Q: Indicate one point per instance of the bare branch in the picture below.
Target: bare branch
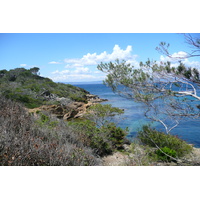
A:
(189, 39)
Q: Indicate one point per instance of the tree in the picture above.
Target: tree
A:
(192, 40)
(102, 115)
(35, 70)
(169, 94)
(2, 73)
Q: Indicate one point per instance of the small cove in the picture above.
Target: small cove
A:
(133, 118)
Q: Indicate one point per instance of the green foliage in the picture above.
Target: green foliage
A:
(76, 97)
(103, 140)
(45, 121)
(153, 138)
(196, 74)
(116, 135)
(27, 100)
(103, 114)
(162, 90)
(44, 118)
(165, 154)
(181, 68)
(27, 86)
(35, 70)
(105, 110)
(104, 136)
(92, 137)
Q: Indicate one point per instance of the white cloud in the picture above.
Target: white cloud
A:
(193, 64)
(84, 69)
(61, 72)
(180, 56)
(23, 65)
(78, 70)
(174, 57)
(76, 75)
(94, 58)
(81, 70)
(54, 62)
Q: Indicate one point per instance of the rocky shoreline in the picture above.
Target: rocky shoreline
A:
(71, 110)
(139, 158)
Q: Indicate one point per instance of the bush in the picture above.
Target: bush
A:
(24, 142)
(103, 140)
(102, 115)
(92, 137)
(26, 86)
(153, 138)
(116, 135)
(166, 154)
(78, 98)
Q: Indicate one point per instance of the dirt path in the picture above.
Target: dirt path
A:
(121, 159)
(117, 159)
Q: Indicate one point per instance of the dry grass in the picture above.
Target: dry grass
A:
(23, 142)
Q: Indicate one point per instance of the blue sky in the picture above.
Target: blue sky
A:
(73, 57)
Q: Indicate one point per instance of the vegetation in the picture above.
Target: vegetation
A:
(27, 87)
(192, 41)
(168, 146)
(42, 140)
(169, 94)
(102, 115)
(39, 139)
(51, 142)
(97, 130)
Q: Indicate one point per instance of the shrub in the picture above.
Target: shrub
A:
(153, 138)
(92, 137)
(166, 154)
(116, 135)
(45, 120)
(24, 142)
(26, 86)
(76, 97)
(103, 140)
(102, 115)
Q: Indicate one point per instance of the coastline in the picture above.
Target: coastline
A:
(72, 110)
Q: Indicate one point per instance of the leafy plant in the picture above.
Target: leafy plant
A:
(116, 135)
(166, 154)
(92, 137)
(103, 114)
(154, 138)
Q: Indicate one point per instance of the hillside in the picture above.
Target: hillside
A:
(48, 135)
(35, 127)
(26, 86)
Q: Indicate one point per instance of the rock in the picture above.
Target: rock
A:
(68, 109)
(70, 115)
(126, 147)
(47, 95)
(94, 98)
(116, 159)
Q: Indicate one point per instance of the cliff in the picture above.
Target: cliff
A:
(70, 110)
(38, 93)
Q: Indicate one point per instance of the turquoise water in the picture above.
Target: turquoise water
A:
(133, 117)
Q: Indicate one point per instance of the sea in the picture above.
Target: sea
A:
(134, 119)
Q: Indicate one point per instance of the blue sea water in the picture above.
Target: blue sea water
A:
(133, 117)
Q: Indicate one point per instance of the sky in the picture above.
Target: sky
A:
(73, 57)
